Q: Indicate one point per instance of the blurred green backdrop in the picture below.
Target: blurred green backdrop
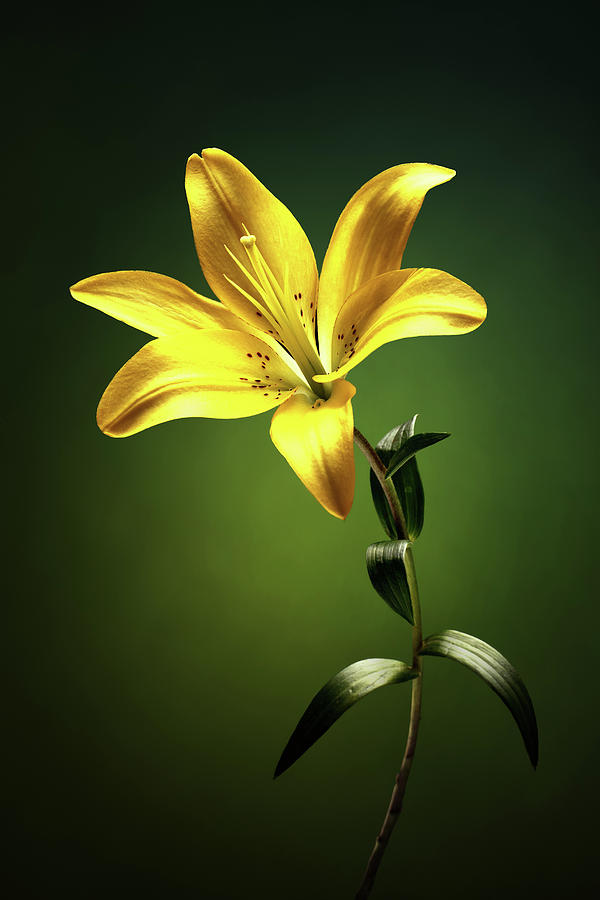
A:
(154, 679)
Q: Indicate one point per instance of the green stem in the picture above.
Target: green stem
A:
(387, 486)
(395, 805)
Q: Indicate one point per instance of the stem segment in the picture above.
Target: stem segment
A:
(395, 806)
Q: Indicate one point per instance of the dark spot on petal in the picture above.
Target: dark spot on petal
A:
(249, 354)
(258, 353)
(267, 357)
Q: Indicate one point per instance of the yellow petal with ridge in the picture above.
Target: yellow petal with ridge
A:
(218, 374)
(316, 437)
(228, 202)
(407, 303)
(153, 303)
(370, 237)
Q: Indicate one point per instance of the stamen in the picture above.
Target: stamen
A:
(278, 302)
(284, 314)
(260, 310)
(270, 292)
(255, 284)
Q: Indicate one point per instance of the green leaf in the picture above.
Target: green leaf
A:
(497, 672)
(407, 482)
(389, 575)
(339, 694)
(411, 446)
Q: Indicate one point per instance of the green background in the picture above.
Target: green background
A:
(175, 599)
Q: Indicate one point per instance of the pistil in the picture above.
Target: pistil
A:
(278, 308)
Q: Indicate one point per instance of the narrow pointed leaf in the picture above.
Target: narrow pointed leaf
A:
(411, 446)
(387, 568)
(407, 482)
(497, 672)
(339, 694)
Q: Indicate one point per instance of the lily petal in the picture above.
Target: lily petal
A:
(370, 237)
(407, 303)
(227, 202)
(316, 438)
(221, 375)
(153, 303)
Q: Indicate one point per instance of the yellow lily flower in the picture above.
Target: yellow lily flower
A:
(280, 337)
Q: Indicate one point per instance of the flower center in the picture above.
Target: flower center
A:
(279, 306)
